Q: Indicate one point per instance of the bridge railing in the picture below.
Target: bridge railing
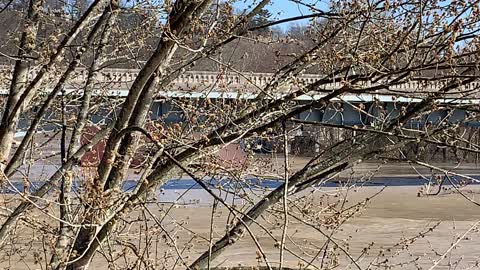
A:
(121, 79)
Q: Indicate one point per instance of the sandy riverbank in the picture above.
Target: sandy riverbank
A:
(379, 235)
(371, 237)
(391, 217)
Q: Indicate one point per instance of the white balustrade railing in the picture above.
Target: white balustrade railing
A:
(120, 79)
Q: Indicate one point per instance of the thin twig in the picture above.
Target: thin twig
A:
(459, 239)
(285, 195)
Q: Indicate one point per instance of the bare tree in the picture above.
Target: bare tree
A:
(127, 84)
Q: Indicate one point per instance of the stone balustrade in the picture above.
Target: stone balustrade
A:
(121, 79)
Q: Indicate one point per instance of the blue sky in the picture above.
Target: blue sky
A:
(282, 9)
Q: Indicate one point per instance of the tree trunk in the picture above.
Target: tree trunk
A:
(20, 78)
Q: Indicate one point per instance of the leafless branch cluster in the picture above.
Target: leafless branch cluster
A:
(107, 105)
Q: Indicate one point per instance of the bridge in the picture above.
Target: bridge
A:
(215, 85)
